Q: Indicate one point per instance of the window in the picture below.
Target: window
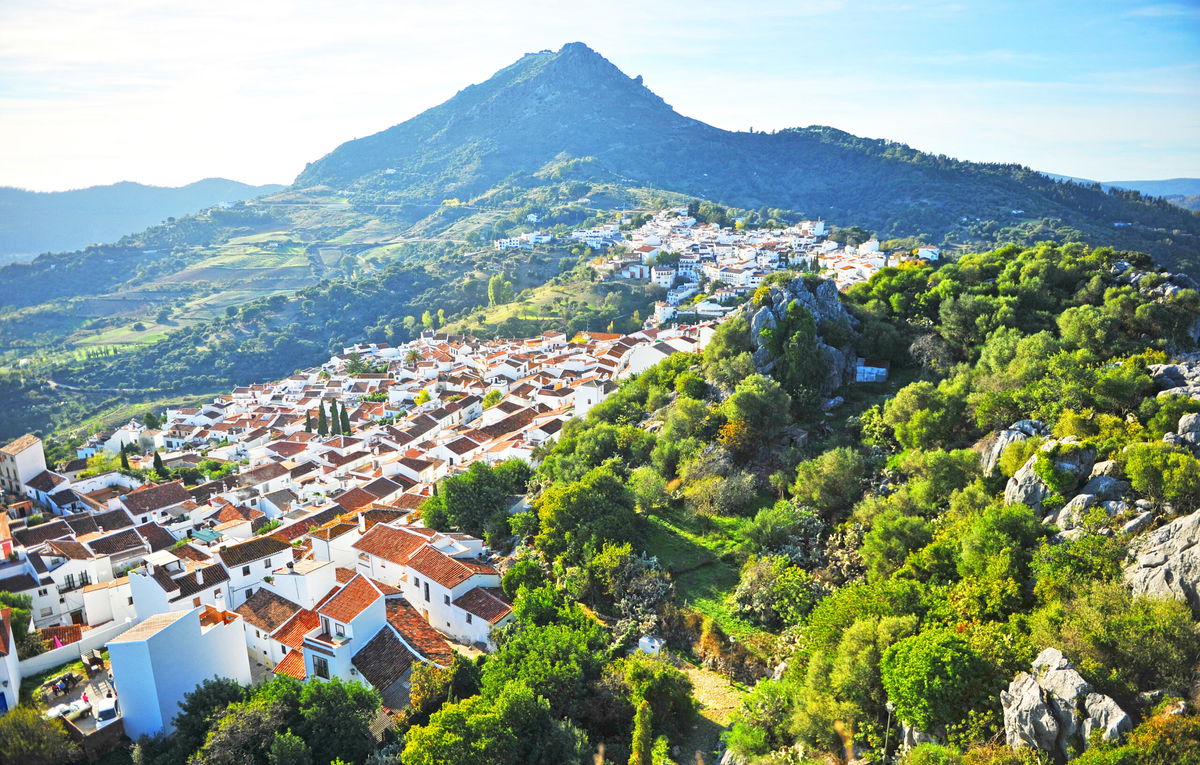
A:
(249, 592)
(267, 563)
(321, 667)
(468, 618)
(257, 634)
(325, 625)
(42, 592)
(447, 598)
(427, 592)
(339, 630)
(47, 611)
(417, 581)
(245, 571)
(196, 602)
(131, 601)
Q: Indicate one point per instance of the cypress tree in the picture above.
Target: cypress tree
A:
(345, 421)
(124, 459)
(322, 423)
(335, 422)
(308, 423)
(158, 465)
(642, 745)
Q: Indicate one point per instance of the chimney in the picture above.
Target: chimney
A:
(362, 523)
(199, 576)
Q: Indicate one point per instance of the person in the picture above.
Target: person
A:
(85, 698)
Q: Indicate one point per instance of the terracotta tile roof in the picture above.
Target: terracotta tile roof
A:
(18, 583)
(262, 474)
(427, 641)
(266, 610)
(345, 575)
(35, 535)
(377, 515)
(383, 660)
(69, 548)
(390, 543)
(71, 633)
(19, 445)
(486, 603)
(211, 576)
(148, 499)
(253, 549)
(188, 552)
(156, 536)
(446, 571)
(356, 498)
(291, 665)
(293, 631)
(354, 598)
(116, 543)
(294, 531)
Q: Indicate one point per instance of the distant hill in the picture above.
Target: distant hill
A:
(571, 114)
(33, 222)
(1184, 192)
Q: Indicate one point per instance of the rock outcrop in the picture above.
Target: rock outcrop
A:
(822, 300)
(1071, 462)
(1180, 378)
(994, 445)
(1103, 491)
(1167, 563)
(1054, 709)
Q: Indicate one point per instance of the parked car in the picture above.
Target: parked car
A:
(108, 711)
(56, 711)
(76, 709)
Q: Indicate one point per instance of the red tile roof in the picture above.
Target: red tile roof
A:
(291, 665)
(267, 611)
(486, 603)
(446, 571)
(417, 633)
(384, 659)
(293, 631)
(390, 543)
(354, 598)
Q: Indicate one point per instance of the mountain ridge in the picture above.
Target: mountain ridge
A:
(573, 114)
(32, 222)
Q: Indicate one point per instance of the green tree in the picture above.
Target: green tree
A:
(124, 460)
(28, 737)
(832, 482)
(322, 420)
(934, 678)
(761, 403)
(580, 516)
(492, 397)
(345, 420)
(201, 708)
(427, 320)
(641, 748)
(288, 749)
(159, 467)
(336, 719)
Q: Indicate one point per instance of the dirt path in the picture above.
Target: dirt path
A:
(718, 699)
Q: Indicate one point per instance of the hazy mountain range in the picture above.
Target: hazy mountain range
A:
(1184, 192)
(33, 222)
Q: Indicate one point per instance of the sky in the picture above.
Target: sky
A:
(167, 92)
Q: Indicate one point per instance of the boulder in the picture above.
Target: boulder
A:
(1105, 716)
(1054, 709)
(1069, 459)
(994, 446)
(1167, 563)
(1107, 467)
(1105, 488)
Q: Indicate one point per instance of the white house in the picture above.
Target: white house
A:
(157, 662)
(20, 461)
(248, 562)
(10, 664)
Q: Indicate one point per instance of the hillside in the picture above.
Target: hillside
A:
(33, 222)
(194, 302)
(573, 114)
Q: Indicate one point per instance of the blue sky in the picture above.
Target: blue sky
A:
(166, 92)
